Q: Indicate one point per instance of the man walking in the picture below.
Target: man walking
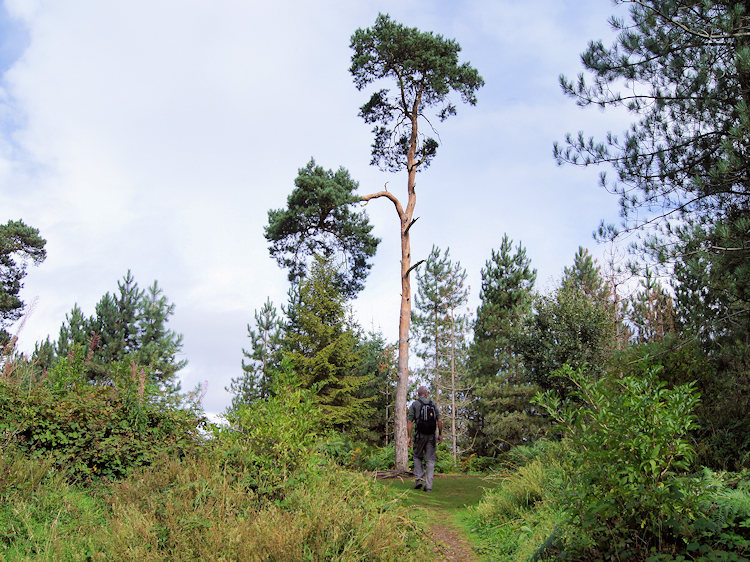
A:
(424, 414)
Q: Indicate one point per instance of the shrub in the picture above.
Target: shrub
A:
(625, 489)
(272, 441)
(93, 430)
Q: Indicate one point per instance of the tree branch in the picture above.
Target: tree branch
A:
(408, 271)
(387, 195)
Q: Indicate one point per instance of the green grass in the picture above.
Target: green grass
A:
(450, 493)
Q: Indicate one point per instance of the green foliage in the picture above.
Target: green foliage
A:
(584, 276)
(274, 438)
(686, 156)
(722, 438)
(426, 70)
(319, 220)
(130, 326)
(93, 431)
(624, 482)
(568, 327)
(504, 415)
(19, 243)
(378, 365)
(264, 358)
(323, 348)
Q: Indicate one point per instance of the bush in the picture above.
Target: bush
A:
(625, 479)
(272, 441)
(93, 430)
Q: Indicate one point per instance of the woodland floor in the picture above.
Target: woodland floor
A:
(442, 509)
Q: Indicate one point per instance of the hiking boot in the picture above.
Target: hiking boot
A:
(417, 486)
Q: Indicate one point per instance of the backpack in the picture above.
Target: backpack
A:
(427, 419)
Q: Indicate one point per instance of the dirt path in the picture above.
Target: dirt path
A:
(451, 541)
(450, 496)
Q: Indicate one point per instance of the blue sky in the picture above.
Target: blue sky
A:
(155, 135)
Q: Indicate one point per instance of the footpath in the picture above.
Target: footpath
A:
(442, 509)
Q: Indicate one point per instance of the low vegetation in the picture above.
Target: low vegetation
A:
(74, 485)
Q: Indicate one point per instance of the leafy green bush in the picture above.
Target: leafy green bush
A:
(272, 441)
(625, 486)
(93, 430)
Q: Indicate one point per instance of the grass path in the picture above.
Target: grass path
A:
(442, 509)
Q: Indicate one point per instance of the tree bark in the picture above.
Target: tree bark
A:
(404, 321)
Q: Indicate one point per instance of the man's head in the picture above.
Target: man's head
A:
(422, 391)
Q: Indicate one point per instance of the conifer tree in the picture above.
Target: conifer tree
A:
(75, 329)
(585, 276)
(323, 347)
(650, 311)
(504, 416)
(263, 358)
(157, 345)
(425, 71)
(19, 244)
(131, 326)
(440, 324)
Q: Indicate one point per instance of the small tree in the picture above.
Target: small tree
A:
(131, 326)
(440, 323)
(323, 347)
(504, 416)
(263, 358)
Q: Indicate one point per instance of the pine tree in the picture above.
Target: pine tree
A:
(586, 276)
(157, 347)
(263, 358)
(651, 311)
(504, 416)
(440, 324)
(323, 346)
(19, 244)
(75, 329)
(131, 326)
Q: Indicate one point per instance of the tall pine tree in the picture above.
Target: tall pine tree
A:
(504, 416)
(440, 324)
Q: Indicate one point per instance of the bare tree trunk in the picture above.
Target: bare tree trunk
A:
(404, 320)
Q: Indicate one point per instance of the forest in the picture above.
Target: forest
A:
(611, 411)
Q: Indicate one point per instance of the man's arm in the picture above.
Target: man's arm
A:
(409, 425)
(440, 430)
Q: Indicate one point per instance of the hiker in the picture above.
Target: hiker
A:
(425, 413)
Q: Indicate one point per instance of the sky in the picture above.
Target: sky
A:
(155, 135)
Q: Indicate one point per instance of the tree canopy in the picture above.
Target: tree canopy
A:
(19, 244)
(426, 70)
(319, 219)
